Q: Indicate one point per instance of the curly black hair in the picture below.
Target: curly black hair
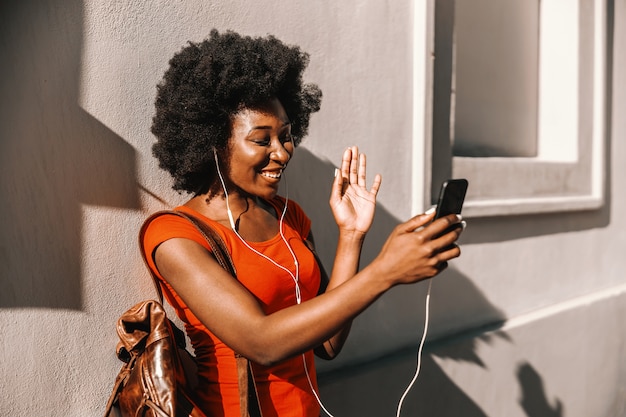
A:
(209, 82)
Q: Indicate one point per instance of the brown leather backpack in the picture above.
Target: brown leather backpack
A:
(158, 375)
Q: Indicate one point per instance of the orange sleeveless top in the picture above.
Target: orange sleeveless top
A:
(284, 389)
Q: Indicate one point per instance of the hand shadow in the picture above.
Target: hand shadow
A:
(534, 401)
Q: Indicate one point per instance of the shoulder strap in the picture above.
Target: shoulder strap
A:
(248, 396)
(217, 245)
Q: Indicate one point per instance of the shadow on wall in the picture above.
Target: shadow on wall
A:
(534, 401)
(375, 389)
(375, 386)
(379, 359)
(54, 157)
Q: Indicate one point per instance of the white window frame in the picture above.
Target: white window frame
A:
(568, 173)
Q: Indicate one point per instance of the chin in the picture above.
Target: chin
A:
(270, 195)
(265, 194)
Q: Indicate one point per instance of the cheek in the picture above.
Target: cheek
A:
(246, 164)
(242, 156)
(290, 148)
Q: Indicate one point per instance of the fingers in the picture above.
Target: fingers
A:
(439, 236)
(362, 176)
(349, 164)
(362, 171)
(444, 225)
(444, 243)
(378, 179)
(417, 222)
(450, 252)
(354, 165)
(344, 175)
(337, 189)
(354, 170)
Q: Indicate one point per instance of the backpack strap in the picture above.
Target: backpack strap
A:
(217, 245)
(248, 396)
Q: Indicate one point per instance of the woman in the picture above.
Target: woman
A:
(229, 114)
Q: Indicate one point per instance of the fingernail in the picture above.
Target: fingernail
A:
(463, 224)
(430, 210)
(336, 172)
(458, 216)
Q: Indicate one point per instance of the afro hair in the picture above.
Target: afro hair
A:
(210, 81)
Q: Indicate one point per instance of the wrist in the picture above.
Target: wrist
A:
(378, 277)
(351, 236)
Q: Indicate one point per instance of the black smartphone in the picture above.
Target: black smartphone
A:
(451, 197)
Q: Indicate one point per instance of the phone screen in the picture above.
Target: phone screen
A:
(451, 197)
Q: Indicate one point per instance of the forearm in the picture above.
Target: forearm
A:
(345, 267)
(317, 321)
(235, 316)
(347, 257)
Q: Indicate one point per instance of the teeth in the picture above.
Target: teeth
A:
(272, 174)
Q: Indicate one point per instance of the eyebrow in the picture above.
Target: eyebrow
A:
(262, 127)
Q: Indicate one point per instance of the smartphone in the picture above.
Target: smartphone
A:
(451, 197)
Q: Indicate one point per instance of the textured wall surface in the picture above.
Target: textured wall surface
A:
(530, 321)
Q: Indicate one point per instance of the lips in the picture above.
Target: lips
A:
(273, 174)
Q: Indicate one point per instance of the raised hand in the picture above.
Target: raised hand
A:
(352, 204)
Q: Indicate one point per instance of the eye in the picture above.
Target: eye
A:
(265, 141)
(286, 138)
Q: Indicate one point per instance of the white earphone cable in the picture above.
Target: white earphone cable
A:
(419, 352)
(232, 225)
(299, 297)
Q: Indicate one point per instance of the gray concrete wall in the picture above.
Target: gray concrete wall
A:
(528, 322)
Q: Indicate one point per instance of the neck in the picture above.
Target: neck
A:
(237, 202)
(216, 208)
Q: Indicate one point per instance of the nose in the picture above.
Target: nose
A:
(281, 152)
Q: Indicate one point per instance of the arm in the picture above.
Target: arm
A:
(353, 207)
(234, 315)
(224, 306)
(331, 347)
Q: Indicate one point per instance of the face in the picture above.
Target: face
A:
(260, 147)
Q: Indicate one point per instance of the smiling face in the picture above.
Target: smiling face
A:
(260, 147)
